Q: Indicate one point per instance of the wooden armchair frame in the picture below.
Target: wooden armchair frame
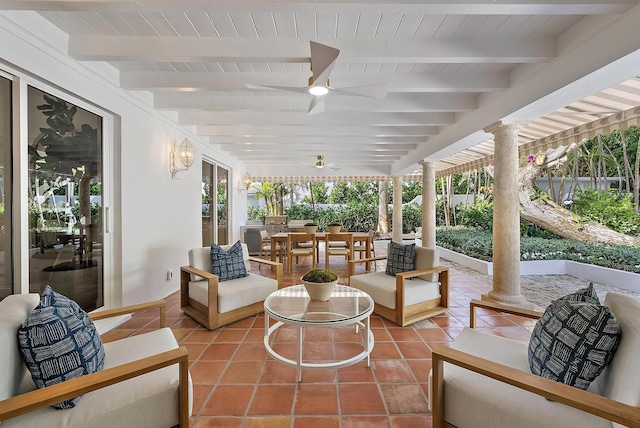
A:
(405, 315)
(209, 316)
(43, 397)
(583, 400)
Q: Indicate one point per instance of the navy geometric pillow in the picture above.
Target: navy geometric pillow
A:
(573, 342)
(58, 342)
(401, 258)
(228, 264)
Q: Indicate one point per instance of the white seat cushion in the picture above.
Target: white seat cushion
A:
(382, 289)
(149, 400)
(475, 401)
(235, 293)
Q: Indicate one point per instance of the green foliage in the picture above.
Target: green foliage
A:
(410, 190)
(320, 275)
(320, 194)
(300, 212)
(256, 213)
(610, 209)
(478, 215)
(411, 217)
(478, 244)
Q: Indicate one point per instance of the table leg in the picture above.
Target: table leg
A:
(367, 343)
(299, 368)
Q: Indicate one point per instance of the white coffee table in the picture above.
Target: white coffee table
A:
(292, 306)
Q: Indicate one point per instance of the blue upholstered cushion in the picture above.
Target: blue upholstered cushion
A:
(574, 340)
(58, 342)
(228, 264)
(401, 258)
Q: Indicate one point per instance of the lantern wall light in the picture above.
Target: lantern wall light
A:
(185, 153)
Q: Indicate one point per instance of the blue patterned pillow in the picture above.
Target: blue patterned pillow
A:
(228, 264)
(401, 258)
(573, 341)
(58, 342)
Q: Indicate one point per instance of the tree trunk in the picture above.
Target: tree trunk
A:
(447, 221)
(383, 207)
(636, 181)
(545, 213)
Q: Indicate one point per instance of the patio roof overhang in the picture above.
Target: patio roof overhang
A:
(616, 108)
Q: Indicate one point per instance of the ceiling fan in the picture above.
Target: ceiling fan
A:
(320, 164)
(323, 59)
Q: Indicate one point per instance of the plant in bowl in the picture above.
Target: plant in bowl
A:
(319, 283)
(310, 227)
(334, 227)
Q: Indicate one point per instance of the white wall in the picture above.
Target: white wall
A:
(155, 219)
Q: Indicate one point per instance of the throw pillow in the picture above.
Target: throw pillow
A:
(58, 342)
(401, 258)
(573, 342)
(228, 264)
(587, 295)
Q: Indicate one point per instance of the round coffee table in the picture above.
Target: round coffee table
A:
(292, 306)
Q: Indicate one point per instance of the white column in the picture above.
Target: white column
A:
(397, 210)
(506, 216)
(428, 204)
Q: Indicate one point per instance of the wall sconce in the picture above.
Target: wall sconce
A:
(184, 153)
(247, 181)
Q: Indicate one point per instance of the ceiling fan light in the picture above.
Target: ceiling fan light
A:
(319, 164)
(318, 91)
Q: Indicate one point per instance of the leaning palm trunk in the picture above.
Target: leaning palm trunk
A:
(545, 213)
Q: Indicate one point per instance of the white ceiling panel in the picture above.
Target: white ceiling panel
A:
(453, 69)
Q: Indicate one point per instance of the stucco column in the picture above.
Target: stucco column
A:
(428, 203)
(506, 216)
(397, 210)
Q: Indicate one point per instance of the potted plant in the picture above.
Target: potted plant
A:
(310, 227)
(319, 283)
(334, 227)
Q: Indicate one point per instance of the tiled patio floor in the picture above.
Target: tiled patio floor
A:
(237, 385)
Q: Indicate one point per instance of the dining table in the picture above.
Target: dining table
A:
(279, 240)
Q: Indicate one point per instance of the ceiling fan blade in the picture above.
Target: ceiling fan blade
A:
(323, 59)
(332, 166)
(371, 91)
(316, 106)
(304, 90)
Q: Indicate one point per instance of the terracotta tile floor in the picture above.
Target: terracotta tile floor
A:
(237, 385)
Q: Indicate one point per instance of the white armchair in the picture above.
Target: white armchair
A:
(409, 296)
(215, 304)
(484, 381)
(145, 381)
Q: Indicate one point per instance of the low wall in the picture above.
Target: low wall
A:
(614, 277)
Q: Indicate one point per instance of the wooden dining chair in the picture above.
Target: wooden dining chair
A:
(345, 250)
(360, 247)
(294, 249)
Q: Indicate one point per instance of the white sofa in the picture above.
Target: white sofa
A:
(145, 381)
(496, 388)
(215, 304)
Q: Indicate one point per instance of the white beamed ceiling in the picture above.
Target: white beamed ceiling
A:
(455, 67)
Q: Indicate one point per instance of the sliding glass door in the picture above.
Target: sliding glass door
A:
(65, 199)
(215, 209)
(6, 226)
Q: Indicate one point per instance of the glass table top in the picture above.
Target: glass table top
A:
(293, 304)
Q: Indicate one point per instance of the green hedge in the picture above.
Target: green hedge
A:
(478, 244)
